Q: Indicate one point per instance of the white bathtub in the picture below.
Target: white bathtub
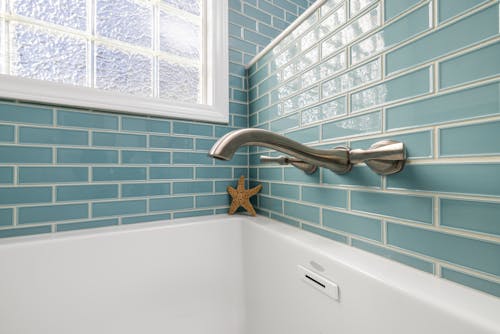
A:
(221, 275)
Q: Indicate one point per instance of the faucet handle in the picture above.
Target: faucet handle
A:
(384, 157)
(282, 160)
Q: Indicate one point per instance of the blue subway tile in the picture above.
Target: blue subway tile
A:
(325, 196)
(237, 69)
(472, 29)
(271, 9)
(357, 225)
(306, 135)
(473, 216)
(325, 233)
(204, 144)
(52, 136)
(144, 219)
(285, 190)
(296, 175)
(475, 65)
(118, 139)
(417, 145)
(193, 129)
(205, 201)
(52, 174)
(191, 158)
(6, 133)
(118, 173)
(237, 18)
(145, 125)
(156, 173)
(18, 195)
(259, 104)
(270, 203)
(24, 154)
(477, 283)
(86, 156)
(87, 120)
(269, 31)
(395, 7)
(192, 187)
(271, 174)
(449, 8)
(19, 232)
(408, 85)
(415, 208)
(392, 34)
(171, 203)
(171, 142)
(394, 255)
(238, 108)
(468, 140)
(256, 13)
(145, 189)
(25, 114)
(86, 225)
(465, 178)
(6, 175)
(86, 192)
(234, 31)
(196, 213)
(290, 17)
(51, 213)
(285, 4)
(301, 211)
(353, 126)
(258, 76)
(256, 38)
(116, 208)
(285, 123)
(6, 217)
(464, 104)
(213, 173)
(143, 157)
(243, 46)
(221, 186)
(467, 252)
(285, 220)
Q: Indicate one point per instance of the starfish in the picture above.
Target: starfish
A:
(241, 196)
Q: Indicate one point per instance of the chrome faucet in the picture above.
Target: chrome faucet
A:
(384, 157)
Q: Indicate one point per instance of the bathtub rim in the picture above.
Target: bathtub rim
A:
(475, 306)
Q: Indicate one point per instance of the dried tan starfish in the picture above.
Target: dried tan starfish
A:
(241, 196)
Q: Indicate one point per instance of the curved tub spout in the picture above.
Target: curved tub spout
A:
(336, 159)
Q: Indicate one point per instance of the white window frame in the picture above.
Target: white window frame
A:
(215, 108)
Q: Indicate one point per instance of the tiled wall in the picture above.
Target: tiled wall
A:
(422, 72)
(64, 169)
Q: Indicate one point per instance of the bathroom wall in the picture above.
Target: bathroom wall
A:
(63, 169)
(422, 72)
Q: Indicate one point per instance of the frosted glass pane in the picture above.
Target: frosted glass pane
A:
(179, 82)
(126, 21)
(192, 6)
(46, 55)
(179, 37)
(123, 71)
(68, 13)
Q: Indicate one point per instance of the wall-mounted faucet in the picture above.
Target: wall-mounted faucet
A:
(384, 157)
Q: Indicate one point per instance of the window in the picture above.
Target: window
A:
(153, 57)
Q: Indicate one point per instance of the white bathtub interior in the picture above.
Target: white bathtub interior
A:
(222, 275)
